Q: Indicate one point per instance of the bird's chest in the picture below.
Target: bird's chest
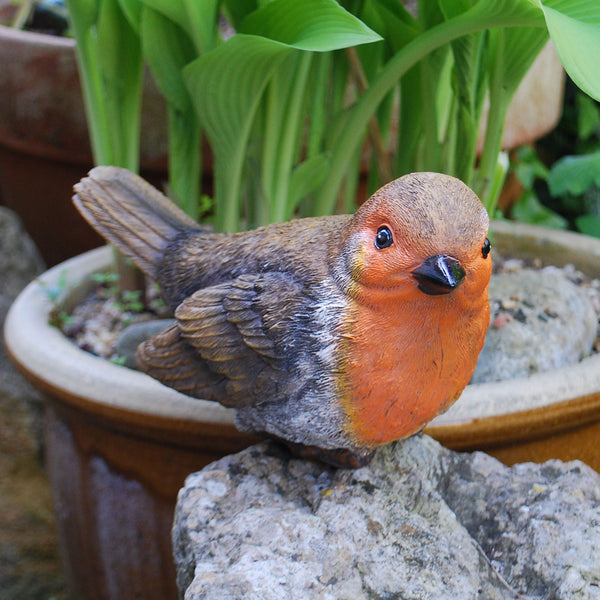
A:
(403, 366)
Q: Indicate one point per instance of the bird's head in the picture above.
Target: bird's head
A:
(422, 235)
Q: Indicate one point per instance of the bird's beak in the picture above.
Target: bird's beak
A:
(439, 274)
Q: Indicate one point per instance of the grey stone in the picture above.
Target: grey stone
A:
(420, 522)
(135, 334)
(30, 565)
(20, 263)
(540, 321)
(20, 260)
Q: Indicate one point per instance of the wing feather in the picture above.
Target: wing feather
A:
(227, 345)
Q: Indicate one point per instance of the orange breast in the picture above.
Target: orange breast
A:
(402, 364)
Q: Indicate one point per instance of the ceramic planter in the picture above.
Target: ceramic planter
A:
(44, 142)
(118, 448)
(119, 444)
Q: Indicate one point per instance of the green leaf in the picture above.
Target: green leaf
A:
(306, 177)
(529, 167)
(574, 174)
(393, 23)
(133, 11)
(238, 10)
(512, 52)
(316, 25)
(588, 116)
(203, 17)
(167, 50)
(483, 15)
(226, 85)
(120, 58)
(83, 14)
(198, 19)
(530, 210)
(575, 30)
(589, 224)
(173, 9)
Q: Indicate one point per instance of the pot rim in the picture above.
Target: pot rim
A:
(34, 346)
(53, 362)
(35, 38)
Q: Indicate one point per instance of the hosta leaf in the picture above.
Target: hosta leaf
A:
(203, 16)
(397, 30)
(589, 224)
(574, 174)
(83, 13)
(173, 9)
(167, 50)
(306, 178)
(132, 9)
(226, 85)
(238, 10)
(530, 210)
(228, 82)
(317, 25)
(197, 18)
(574, 27)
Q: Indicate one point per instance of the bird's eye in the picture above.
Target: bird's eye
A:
(485, 250)
(383, 239)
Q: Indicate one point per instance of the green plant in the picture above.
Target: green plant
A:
(287, 92)
(58, 316)
(561, 174)
(125, 300)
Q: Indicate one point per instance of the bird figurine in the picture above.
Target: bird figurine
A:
(337, 333)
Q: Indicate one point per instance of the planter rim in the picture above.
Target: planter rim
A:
(34, 346)
(36, 39)
(49, 359)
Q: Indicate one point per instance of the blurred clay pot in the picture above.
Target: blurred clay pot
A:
(119, 444)
(44, 142)
(118, 448)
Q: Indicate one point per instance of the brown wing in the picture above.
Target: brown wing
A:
(170, 359)
(234, 342)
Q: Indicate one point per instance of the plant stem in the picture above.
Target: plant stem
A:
(273, 112)
(429, 89)
(185, 159)
(318, 104)
(291, 133)
(91, 83)
(382, 158)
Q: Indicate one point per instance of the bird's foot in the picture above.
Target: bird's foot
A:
(341, 458)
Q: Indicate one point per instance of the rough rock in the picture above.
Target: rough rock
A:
(420, 522)
(20, 260)
(135, 334)
(540, 321)
(30, 567)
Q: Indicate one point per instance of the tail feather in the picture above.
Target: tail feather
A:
(131, 214)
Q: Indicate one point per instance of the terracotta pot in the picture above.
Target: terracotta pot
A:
(119, 444)
(118, 448)
(44, 143)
